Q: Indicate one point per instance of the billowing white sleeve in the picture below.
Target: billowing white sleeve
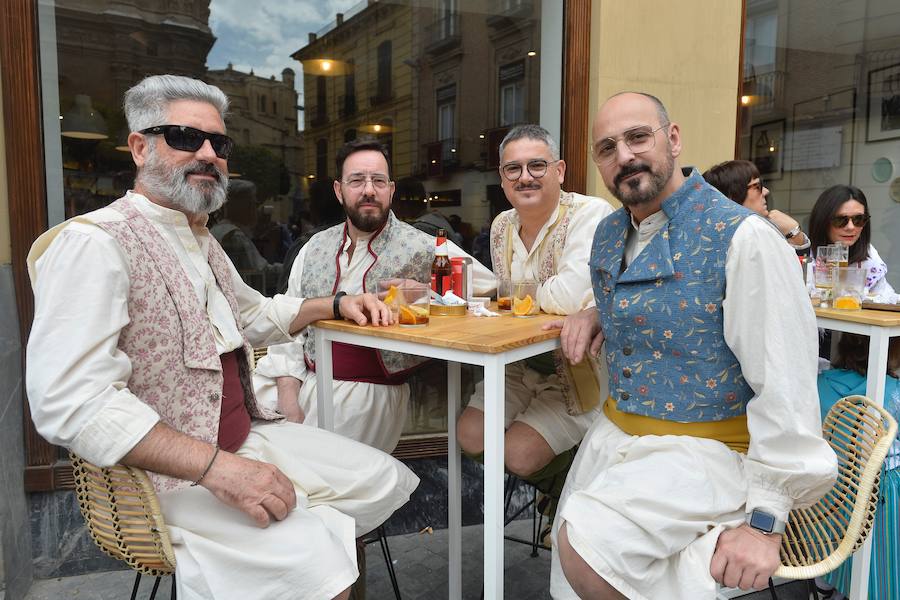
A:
(265, 321)
(569, 290)
(483, 281)
(771, 328)
(76, 376)
(286, 359)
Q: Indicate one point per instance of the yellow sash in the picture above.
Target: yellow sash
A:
(732, 432)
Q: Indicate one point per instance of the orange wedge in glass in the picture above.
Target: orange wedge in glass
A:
(522, 306)
(391, 295)
(847, 303)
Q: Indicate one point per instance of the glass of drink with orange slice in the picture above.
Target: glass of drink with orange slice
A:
(504, 295)
(524, 298)
(413, 303)
(849, 287)
(389, 293)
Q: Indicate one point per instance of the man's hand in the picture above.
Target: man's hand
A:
(364, 308)
(256, 488)
(745, 558)
(784, 222)
(580, 332)
(288, 394)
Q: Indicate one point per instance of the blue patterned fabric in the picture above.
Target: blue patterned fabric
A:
(662, 316)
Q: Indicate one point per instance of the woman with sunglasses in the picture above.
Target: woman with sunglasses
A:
(740, 181)
(841, 216)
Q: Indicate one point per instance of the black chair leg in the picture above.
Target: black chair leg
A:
(772, 589)
(155, 587)
(385, 549)
(173, 587)
(137, 584)
(537, 518)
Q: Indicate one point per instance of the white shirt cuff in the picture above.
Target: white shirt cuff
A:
(113, 431)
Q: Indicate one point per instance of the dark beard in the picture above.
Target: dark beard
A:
(632, 195)
(367, 223)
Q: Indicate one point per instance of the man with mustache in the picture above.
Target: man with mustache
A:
(545, 237)
(711, 432)
(370, 390)
(139, 355)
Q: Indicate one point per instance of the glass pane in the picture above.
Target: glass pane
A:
(820, 106)
(438, 81)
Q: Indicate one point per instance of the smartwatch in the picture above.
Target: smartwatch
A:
(764, 521)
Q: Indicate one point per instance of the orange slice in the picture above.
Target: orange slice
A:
(422, 311)
(847, 303)
(406, 315)
(522, 306)
(391, 296)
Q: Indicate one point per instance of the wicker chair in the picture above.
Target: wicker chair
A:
(123, 517)
(820, 538)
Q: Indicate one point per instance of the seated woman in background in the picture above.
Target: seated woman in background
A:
(841, 215)
(848, 378)
(740, 181)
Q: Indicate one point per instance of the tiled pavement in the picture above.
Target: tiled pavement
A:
(420, 561)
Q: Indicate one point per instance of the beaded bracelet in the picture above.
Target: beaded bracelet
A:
(208, 467)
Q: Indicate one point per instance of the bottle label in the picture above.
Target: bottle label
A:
(445, 284)
(441, 248)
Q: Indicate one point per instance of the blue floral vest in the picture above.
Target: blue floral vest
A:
(662, 316)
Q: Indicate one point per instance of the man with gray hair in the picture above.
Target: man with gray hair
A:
(545, 237)
(139, 354)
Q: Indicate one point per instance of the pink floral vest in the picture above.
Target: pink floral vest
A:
(175, 366)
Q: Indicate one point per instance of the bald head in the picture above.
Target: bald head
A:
(635, 147)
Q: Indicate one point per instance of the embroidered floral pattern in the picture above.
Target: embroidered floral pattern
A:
(677, 362)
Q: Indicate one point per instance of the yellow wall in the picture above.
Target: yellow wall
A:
(5, 247)
(686, 53)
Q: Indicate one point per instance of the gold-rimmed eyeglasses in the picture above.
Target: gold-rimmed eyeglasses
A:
(638, 140)
(379, 182)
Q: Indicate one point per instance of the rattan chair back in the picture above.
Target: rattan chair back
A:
(123, 516)
(819, 538)
(258, 353)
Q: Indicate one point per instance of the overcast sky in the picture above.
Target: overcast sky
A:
(262, 36)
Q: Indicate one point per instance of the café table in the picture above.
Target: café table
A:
(493, 343)
(880, 326)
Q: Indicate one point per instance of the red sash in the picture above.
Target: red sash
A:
(234, 423)
(355, 363)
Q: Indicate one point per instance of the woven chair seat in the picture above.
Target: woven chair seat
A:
(819, 538)
(123, 516)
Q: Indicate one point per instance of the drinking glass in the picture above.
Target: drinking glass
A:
(504, 295)
(840, 254)
(849, 287)
(414, 302)
(524, 298)
(826, 260)
(389, 293)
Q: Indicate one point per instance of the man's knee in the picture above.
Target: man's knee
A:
(470, 431)
(526, 451)
(586, 582)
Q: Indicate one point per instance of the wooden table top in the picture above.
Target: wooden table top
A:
(883, 318)
(489, 335)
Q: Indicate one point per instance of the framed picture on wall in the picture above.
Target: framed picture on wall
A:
(767, 148)
(883, 114)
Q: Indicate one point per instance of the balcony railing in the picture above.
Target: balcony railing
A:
(502, 12)
(443, 34)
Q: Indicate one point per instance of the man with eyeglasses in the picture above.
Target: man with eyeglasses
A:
(711, 432)
(139, 355)
(545, 237)
(371, 395)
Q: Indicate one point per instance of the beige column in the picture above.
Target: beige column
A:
(687, 53)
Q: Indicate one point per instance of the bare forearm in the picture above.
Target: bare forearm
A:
(169, 452)
(312, 309)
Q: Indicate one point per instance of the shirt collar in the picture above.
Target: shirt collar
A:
(161, 214)
(650, 225)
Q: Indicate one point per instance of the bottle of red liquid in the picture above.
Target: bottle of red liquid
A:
(441, 269)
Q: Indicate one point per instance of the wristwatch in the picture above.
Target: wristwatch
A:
(764, 521)
(792, 232)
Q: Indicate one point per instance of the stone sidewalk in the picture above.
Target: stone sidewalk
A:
(420, 561)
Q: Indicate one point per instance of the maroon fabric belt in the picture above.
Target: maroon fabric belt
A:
(234, 422)
(355, 363)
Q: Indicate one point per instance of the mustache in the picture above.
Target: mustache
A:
(629, 170)
(527, 186)
(203, 168)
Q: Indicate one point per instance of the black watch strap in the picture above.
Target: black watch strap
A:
(336, 305)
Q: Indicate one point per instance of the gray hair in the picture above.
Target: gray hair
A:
(147, 103)
(531, 132)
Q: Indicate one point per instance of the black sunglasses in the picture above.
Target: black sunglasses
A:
(188, 139)
(841, 221)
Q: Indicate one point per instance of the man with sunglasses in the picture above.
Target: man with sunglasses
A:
(711, 432)
(545, 237)
(371, 395)
(139, 355)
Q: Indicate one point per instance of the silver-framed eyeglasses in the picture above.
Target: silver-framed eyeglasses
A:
(638, 140)
(358, 182)
(537, 168)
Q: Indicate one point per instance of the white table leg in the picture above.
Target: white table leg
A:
(878, 357)
(324, 382)
(454, 482)
(494, 384)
